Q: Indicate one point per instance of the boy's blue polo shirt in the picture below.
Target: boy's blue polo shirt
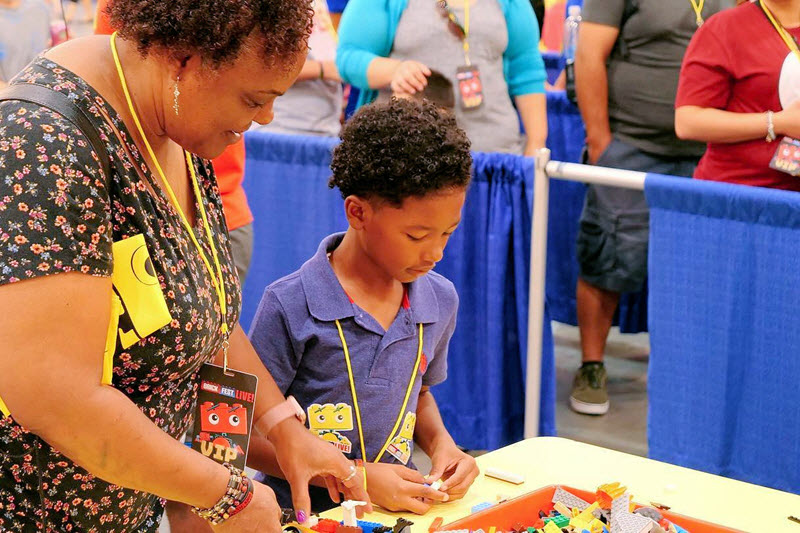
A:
(295, 334)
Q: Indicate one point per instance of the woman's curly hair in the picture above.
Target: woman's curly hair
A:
(398, 149)
(215, 29)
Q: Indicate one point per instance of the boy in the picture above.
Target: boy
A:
(360, 333)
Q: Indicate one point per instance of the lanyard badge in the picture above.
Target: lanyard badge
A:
(224, 414)
(468, 76)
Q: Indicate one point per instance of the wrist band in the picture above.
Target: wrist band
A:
(238, 495)
(770, 127)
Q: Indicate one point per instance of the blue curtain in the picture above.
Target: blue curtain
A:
(482, 400)
(724, 292)
(565, 141)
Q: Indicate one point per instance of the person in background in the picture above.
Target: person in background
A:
(313, 105)
(498, 38)
(740, 97)
(24, 33)
(626, 72)
(86, 7)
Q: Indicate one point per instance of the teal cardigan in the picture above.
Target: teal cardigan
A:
(368, 27)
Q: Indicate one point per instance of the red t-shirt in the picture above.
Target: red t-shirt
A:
(228, 167)
(735, 62)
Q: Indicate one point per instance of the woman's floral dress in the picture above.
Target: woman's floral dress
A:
(59, 213)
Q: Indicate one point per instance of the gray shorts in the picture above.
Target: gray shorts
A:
(615, 223)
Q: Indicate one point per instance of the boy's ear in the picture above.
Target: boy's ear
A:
(357, 210)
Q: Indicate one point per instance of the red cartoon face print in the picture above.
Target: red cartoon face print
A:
(223, 418)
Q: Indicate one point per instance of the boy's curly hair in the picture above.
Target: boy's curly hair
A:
(215, 29)
(398, 149)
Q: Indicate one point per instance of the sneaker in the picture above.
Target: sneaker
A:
(589, 390)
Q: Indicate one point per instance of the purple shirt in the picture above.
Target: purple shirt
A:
(295, 334)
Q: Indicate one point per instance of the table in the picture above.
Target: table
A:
(552, 461)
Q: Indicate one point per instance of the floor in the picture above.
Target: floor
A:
(624, 428)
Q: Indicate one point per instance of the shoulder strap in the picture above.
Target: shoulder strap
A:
(60, 103)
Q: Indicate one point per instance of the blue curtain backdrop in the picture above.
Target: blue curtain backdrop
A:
(487, 259)
(724, 292)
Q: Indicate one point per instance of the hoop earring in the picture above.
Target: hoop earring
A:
(177, 93)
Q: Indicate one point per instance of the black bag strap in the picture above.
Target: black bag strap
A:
(60, 103)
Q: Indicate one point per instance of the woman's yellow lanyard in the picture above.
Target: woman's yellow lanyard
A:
(217, 279)
(466, 32)
(785, 35)
(355, 396)
(698, 11)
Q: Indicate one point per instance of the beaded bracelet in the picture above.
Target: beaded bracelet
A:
(237, 496)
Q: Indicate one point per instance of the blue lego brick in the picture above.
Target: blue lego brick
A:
(481, 506)
(367, 527)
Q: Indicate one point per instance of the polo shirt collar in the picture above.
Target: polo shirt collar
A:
(325, 296)
(327, 300)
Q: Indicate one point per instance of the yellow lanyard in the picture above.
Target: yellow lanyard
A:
(217, 279)
(698, 10)
(355, 396)
(466, 32)
(785, 35)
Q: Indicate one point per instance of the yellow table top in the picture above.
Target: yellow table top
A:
(556, 461)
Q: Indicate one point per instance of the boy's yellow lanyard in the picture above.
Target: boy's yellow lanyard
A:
(698, 11)
(355, 396)
(785, 35)
(215, 273)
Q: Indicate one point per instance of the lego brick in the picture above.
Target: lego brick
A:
(368, 527)
(348, 529)
(568, 499)
(481, 506)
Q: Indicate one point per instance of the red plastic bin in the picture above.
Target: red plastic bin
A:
(525, 509)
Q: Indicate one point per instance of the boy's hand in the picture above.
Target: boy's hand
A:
(456, 468)
(397, 488)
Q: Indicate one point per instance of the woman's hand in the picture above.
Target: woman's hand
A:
(303, 456)
(456, 468)
(397, 488)
(262, 514)
(410, 77)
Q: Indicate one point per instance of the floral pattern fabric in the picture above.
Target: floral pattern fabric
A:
(60, 213)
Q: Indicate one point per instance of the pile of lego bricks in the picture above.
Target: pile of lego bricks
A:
(612, 512)
(325, 525)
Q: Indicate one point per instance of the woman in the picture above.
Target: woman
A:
(391, 46)
(741, 96)
(75, 454)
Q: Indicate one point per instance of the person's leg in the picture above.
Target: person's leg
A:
(596, 307)
(612, 254)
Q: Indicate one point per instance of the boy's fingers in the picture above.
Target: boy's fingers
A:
(411, 475)
(463, 471)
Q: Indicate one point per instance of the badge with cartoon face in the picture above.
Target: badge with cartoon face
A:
(224, 414)
(329, 420)
(402, 444)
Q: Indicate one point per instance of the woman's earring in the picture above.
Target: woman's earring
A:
(177, 93)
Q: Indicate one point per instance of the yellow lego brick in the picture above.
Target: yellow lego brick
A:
(551, 527)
